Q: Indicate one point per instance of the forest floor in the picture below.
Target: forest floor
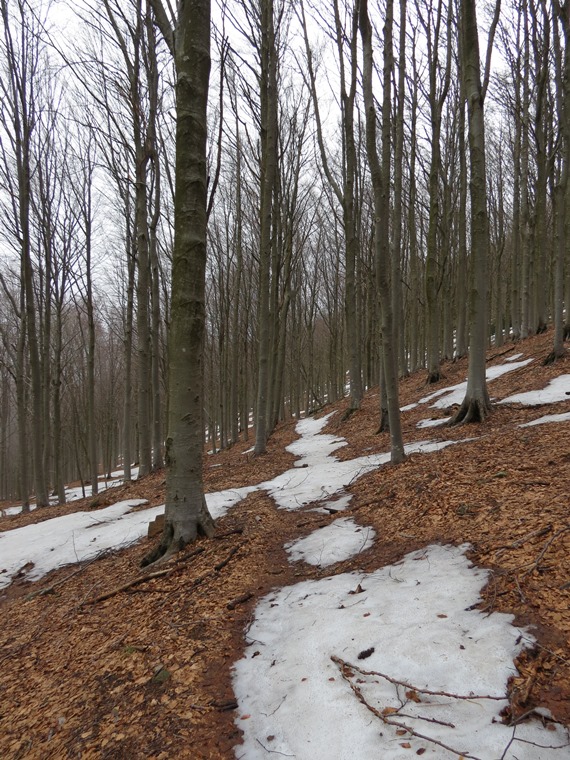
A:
(146, 671)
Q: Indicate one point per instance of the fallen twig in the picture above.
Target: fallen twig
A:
(239, 600)
(130, 584)
(146, 577)
(238, 531)
(545, 548)
(397, 724)
(224, 562)
(343, 664)
(520, 541)
(83, 566)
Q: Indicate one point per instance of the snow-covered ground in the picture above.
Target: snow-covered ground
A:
(453, 395)
(316, 477)
(78, 492)
(547, 418)
(336, 542)
(37, 549)
(556, 391)
(396, 635)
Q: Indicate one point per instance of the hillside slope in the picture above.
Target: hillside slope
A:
(145, 672)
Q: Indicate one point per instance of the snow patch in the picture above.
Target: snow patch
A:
(413, 622)
(76, 537)
(220, 502)
(564, 417)
(557, 390)
(432, 423)
(454, 394)
(338, 541)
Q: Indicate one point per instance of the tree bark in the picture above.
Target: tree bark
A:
(381, 183)
(186, 512)
(476, 403)
(269, 125)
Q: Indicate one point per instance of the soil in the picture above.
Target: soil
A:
(90, 671)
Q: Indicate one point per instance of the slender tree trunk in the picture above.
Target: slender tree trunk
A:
(235, 350)
(397, 301)
(152, 146)
(91, 421)
(381, 183)
(21, 406)
(128, 348)
(269, 125)
(476, 403)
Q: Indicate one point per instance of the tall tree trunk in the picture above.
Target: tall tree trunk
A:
(476, 404)
(381, 183)
(186, 512)
(154, 264)
(22, 64)
(397, 308)
(269, 125)
(128, 350)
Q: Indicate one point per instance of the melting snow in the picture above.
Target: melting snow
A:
(564, 417)
(454, 394)
(317, 475)
(557, 390)
(432, 423)
(71, 538)
(338, 541)
(412, 622)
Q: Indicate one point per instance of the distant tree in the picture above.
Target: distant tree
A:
(269, 126)
(436, 20)
(345, 35)
(21, 52)
(561, 196)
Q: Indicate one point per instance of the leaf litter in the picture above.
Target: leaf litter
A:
(77, 678)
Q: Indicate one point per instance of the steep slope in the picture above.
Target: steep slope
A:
(145, 672)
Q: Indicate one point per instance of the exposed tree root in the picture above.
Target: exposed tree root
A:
(348, 413)
(179, 532)
(553, 356)
(384, 426)
(501, 353)
(471, 410)
(433, 377)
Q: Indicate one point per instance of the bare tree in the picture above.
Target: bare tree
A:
(381, 182)
(186, 511)
(476, 404)
(19, 89)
